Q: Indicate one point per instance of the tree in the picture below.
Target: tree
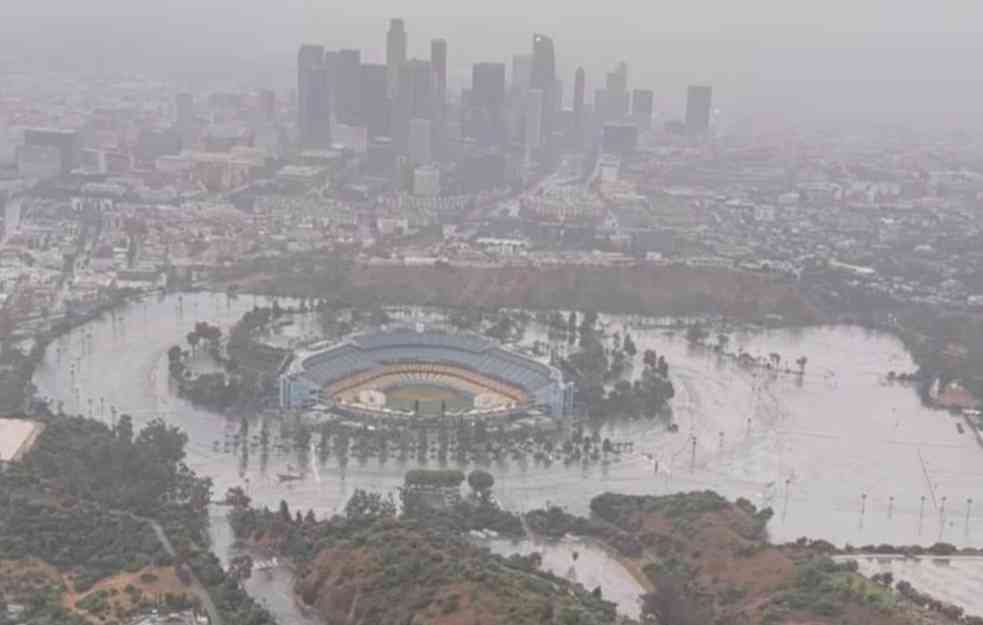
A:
(124, 428)
(365, 506)
(649, 358)
(481, 483)
(193, 340)
(237, 497)
(776, 359)
(629, 346)
(241, 568)
(284, 511)
(802, 360)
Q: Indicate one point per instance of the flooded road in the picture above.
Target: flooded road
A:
(839, 453)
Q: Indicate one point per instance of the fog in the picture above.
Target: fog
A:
(868, 60)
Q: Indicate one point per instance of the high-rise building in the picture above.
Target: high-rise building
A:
(486, 105)
(395, 52)
(309, 58)
(67, 142)
(420, 141)
(438, 61)
(642, 107)
(534, 120)
(579, 90)
(521, 72)
(699, 99)
(313, 95)
(617, 96)
(375, 100)
(348, 87)
(319, 109)
(414, 100)
(543, 78)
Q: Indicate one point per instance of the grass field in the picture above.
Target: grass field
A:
(430, 398)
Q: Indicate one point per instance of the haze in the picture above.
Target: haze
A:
(871, 60)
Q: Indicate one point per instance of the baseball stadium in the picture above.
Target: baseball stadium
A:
(421, 373)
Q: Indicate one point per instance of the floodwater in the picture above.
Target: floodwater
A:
(581, 561)
(955, 580)
(839, 453)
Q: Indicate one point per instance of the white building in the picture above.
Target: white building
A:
(426, 181)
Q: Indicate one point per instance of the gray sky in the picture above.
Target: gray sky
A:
(890, 59)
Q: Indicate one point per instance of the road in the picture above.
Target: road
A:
(206, 599)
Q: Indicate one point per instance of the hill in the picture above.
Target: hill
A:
(710, 562)
(403, 572)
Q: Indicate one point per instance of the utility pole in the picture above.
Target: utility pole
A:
(921, 516)
(692, 463)
(890, 507)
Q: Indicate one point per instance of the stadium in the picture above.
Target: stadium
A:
(407, 373)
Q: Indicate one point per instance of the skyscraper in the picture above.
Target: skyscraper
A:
(534, 120)
(374, 99)
(543, 78)
(414, 100)
(395, 52)
(642, 107)
(486, 110)
(699, 99)
(420, 141)
(310, 69)
(521, 72)
(438, 61)
(319, 108)
(348, 87)
(579, 89)
(617, 96)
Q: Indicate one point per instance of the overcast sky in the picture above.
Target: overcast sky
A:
(891, 59)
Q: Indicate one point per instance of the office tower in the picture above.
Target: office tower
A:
(426, 181)
(420, 140)
(579, 89)
(438, 61)
(348, 87)
(310, 64)
(619, 138)
(67, 143)
(521, 72)
(543, 78)
(617, 96)
(534, 120)
(486, 104)
(395, 53)
(319, 109)
(375, 100)
(642, 107)
(414, 100)
(698, 101)
(309, 59)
